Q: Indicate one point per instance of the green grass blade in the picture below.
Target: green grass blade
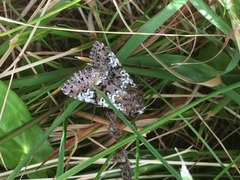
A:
(149, 27)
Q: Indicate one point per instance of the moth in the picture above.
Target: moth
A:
(106, 72)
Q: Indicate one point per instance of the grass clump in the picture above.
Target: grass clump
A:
(182, 54)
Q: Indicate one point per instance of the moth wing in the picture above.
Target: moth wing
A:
(78, 86)
(102, 57)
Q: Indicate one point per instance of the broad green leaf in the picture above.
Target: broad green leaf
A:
(196, 71)
(15, 114)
